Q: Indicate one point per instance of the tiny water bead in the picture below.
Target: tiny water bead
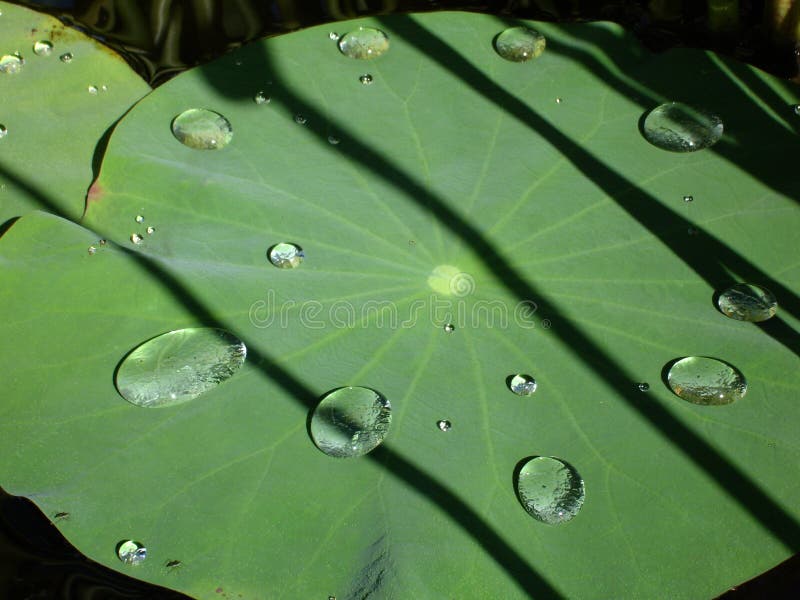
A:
(150, 230)
(748, 302)
(92, 250)
(519, 44)
(688, 198)
(202, 129)
(333, 140)
(131, 552)
(797, 109)
(3, 131)
(136, 238)
(178, 366)
(364, 43)
(286, 255)
(92, 90)
(333, 36)
(449, 328)
(444, 425)
(559, 100)
(43, 48)
(139, 219)
(365, 79)
(550, 490)
(66, 57)
(300, 119)
(682, 128)
(261, 98)
(350, 421)
(643, 387)
(11, 64)
(707, 381)
(522, 385)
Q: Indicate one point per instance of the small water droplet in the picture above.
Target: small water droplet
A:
(103, 88)
(92, 250)
(350, 421)
(550, 490)
(559, 100)
(522, 384)
(202, 129)
(365, 79)
(748, 302)
(707, 381)
(178, 366)
(688, 198)
(136, 238)
(238, 63)
(449, 328)
(3, 131)
(644, 386)
(364, 43)
(66, 57)
(285, 255)
(797, 109)
(92, 90)
(333, 36)
(261, 98)
(300, 119)
(519, 44)
(131, 552)
(333, 140)
(102, 242)
(43, 48)
(150, 230)
(444, 425)
(139, 219)
(681, 128)
(11, 64)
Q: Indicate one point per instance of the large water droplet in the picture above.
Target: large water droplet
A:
(350, 421)
(522, 385)
(285, 255)
(748, 302)
(364, 43)
(519, 44)
(66, 57)
(708, 381)
(681, 128)
(178, 366)
(11, 64)
(202, 129)
(550, 490)
(131, 552)
(43, 48)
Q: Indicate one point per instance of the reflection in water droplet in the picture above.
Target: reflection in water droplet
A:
(178, 366)
(444, 425)
(139, 219)
(366, 79)
(708, 381)
(92, 249)
(522, 385)
(449, 328)
(364, 43)
(131, 553)
(350, 421)
(43, 48)
(643, 387)
(92, 90)
(300, 119)
(688, 198)
(136, 238)
(66, 57)
(748, 302)
(333, 140)
(550, 490)
(285, 255)
(150, 230)
(11, 64)
(202, 129)
(261, 98)
(3, 131)
(519, 44)
(681, 128)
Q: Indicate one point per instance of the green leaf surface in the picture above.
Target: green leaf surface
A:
(52, 120)
(549, 233)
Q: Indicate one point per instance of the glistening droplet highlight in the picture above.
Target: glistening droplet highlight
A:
(748, 302)
(364, 43)
(43, 48)
(202, 129)
(550, 490)
(520, 44)
(706, 381)
(131, 552)
(350, 421)
(11, 64)
(179, 366)
(682, 128)
(522, 384)
(285, 255)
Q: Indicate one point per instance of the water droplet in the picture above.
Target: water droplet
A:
(364, 43)
(202, 129)
(681, 128)
(748, 302)
(179, 366)
(11, 64)
(522, 385)
(444, 425)
(366, 79)
(136, 238)
(333, 36)
(559, 100)
(103, 88)
(333, 140)
(285, 255)
(43, 48)
(66, 57)
(139, 219)
(688, 198)
(131, 553)
(92, 90)
(150, 230)
(449, 328)
(550, 490)
(3, 131)
(300, 119)
(519, 44)
(261, 98)
(102, 242)
(644, 387)
(92, 250)
(708, 381)
(350, 421)
(797, 109)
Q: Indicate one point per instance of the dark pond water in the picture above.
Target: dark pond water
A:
(161, 38)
